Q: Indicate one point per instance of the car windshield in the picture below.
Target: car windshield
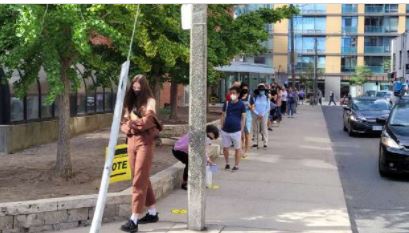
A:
(370, 105)
(400, 115)
(383, 94)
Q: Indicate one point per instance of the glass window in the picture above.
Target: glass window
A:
(309, 24)
(260, 60)
(320, 24)
(108, 100)
(407, 8)
(374, 8)
(90, 85)
(348, 44)
(348, 63)
(391, 8)
(349, 8)
(33, 111)
(16, 104)
(312, 8)
(349, 24)
(407, 23)
(46, 108)
(391, 24)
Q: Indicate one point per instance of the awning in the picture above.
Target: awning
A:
(243, 67)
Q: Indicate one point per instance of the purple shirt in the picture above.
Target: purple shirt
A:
(183, 143)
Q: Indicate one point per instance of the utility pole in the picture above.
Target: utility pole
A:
(197, 118)
(315, 71)
(292, 56)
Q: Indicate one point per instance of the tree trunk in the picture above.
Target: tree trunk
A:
(173, 100)
(156, 92)
(63, 165)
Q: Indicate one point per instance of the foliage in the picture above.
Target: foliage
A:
(361, 75)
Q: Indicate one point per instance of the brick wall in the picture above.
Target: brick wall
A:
(165, 94)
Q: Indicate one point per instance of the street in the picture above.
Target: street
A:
(375, 204)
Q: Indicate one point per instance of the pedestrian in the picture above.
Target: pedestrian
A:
(332, 98)
(279, 104)
(181, 150)
(141, 126)
(233, 121)
(235, 84)
(319, 96)
(291, 100)
(284, 94)
(301, 95)
(245, 97)
(261, 110)
(273, 109)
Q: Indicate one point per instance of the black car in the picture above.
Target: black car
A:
(361, 113)
(394, 143)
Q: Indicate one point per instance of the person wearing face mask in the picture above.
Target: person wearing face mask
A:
(245, 98)
(261, 110)
(141, 126)
(181, 150)
(233, 122)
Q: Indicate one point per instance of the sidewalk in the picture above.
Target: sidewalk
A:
(293, 186)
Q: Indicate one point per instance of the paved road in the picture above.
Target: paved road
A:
(375, 204)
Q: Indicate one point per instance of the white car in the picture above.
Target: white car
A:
(385, 95)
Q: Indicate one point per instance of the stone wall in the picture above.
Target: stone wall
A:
(14, 137)
(69, 212)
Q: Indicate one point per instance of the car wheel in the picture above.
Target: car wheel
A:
(381, 168)
(350, 132)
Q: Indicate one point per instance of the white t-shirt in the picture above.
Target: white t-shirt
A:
(284, 96)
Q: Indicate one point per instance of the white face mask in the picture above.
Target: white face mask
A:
(233, 97)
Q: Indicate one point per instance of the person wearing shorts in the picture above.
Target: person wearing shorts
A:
(233, 122)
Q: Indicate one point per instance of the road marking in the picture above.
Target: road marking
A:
(179, 211)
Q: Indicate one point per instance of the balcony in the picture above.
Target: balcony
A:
(349, 8)
(377, 69)
(374, 9)
(349, 29)
(348, 69)
(348, 50)
(377, 49)
(372, 29)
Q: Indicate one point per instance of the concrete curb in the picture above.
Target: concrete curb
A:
(75, 211)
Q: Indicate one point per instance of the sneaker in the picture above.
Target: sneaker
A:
(130, 226)
(265, 146)
(255, 145)
(235, 168)
(227, 167)
(149, 219)
(270, 129)
(184, 186)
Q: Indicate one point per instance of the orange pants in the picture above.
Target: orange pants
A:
(140, 158)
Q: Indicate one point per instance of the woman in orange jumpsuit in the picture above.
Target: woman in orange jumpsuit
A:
(141, 126)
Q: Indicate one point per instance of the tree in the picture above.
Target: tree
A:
(56, 38)
(362, 73)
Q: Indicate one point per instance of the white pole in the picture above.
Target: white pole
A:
(113, 139)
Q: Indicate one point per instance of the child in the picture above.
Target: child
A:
(181, 150)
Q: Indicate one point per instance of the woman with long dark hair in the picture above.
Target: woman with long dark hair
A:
(245, 137)
(141, 126)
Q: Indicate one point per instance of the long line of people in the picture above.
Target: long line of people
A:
(254, 113)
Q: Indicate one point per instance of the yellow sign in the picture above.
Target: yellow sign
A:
(121, 169)
(214, 186)
(179, 211)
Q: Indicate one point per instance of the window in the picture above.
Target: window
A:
(309, 24)
(407, 8)
(377, 44)
(391, 24)
(108, 100)
(306, 44)
(348, 63)
(400, 59)
(349, 8)
(304, 62)
(391, 8)
(374, 8)
(260, 60)
(349, 24)
(348, 44)
(312, 8)
(407, 23)
(376, 63)
(16, 104)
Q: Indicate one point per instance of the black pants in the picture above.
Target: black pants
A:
(283, 107)
(182, 157)
(331, 100)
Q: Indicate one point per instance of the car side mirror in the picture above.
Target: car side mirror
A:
(346, 108)
(381, 121)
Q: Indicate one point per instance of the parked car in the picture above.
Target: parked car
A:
(371, 93)
(361, 113)
(394, 143)
(385, 95)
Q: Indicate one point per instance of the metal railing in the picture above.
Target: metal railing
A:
(377, 69)
(377, 49)
(349, 8)
(349, 29)
(348, 50)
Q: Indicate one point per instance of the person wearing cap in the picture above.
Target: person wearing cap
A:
(261, 110)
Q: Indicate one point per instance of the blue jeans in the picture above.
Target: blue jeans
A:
(291, 108)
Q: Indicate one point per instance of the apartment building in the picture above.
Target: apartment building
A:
(400, 57)
(347, 35)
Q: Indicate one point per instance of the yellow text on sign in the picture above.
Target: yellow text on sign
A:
(121, 169)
